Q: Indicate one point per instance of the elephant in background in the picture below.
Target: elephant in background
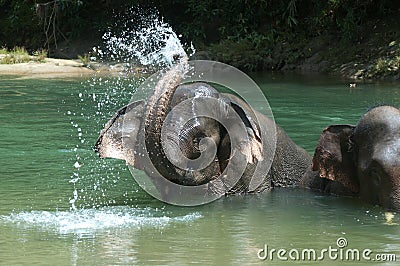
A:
(144, 121)
(361, 160)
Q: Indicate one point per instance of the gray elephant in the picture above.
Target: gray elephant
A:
(361, 160)
(135, 134)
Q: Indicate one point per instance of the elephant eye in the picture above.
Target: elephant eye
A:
(350, 145)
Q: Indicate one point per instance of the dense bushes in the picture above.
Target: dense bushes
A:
(255, 23)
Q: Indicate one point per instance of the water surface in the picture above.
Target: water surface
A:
(60, 204)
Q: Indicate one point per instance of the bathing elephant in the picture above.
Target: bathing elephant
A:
(135, 134)
(361, 160)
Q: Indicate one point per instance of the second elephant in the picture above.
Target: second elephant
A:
(361, 160)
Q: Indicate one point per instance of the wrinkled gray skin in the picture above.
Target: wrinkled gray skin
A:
(361, 160)
(123, 141)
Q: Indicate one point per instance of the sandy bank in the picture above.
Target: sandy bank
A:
(52, 68)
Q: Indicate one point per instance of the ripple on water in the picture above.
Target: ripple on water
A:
(88, 221)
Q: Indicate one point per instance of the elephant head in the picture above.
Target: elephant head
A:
(187, 134)
(362, 160)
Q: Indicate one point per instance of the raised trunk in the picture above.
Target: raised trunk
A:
(156, 113)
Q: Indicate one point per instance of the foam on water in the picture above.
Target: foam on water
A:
(89, 221)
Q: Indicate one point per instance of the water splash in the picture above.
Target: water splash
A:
(89, 221)
(138, 39)
(153, 44)
(93, 180)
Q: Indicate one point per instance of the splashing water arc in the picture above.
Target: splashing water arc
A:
(155, 44)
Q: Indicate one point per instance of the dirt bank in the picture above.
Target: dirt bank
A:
(51, 68)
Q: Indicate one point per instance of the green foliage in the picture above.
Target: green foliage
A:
(290, 14)
(3, 50)
(245, 53)
(85, 59)
(20, 51)
(18, 25)
(387, 65)
(40, 55)
(17, 55)
(348, 17)
(382, 65)
(203, 22)
(20, 55)
(240, 54)
(396, 62)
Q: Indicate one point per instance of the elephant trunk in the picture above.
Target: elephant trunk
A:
(156, 113)
(182, 153)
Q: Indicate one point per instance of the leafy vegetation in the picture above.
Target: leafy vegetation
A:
(40, 55)
(85, 59)
(20, 55)
(253, 29)
(36, 24)
(388, 64)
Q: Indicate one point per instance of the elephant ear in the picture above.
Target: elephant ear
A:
(120, 134)
(254, 151)
(334, 160)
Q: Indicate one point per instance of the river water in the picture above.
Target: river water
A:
(61, 204)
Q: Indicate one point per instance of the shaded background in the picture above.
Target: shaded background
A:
(261, 34)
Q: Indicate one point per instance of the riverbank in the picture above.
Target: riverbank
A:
(63, 68)
(50, 68)
(372, 54)
(355, 39)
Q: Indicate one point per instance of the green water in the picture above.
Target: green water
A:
(60, 204)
